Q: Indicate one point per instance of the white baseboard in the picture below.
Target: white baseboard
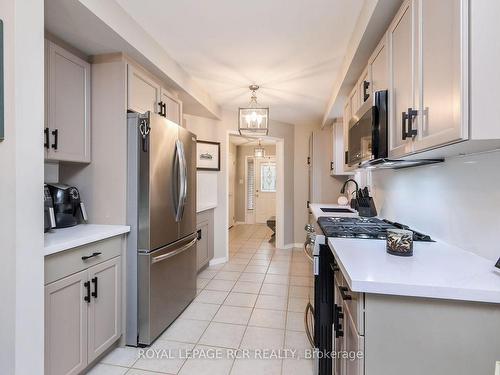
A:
(293, 245)
(216, 261)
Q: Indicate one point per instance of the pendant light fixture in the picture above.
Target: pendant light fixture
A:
(259, 152)
(253, 120)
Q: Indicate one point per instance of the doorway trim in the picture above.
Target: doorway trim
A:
(280, 187)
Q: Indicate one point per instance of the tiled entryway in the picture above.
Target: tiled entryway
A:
(255, 301)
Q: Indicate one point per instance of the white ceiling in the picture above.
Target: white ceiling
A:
(292, 48)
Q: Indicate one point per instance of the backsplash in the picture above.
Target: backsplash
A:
(457, 201)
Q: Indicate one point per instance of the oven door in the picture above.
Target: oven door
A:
(361, 128)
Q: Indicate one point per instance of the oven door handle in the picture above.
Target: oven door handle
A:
(309, 310)
(308, 253)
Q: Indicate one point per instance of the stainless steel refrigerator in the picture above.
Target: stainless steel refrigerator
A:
(161, 210)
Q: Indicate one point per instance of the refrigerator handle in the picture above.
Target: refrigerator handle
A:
(184, 175)
(180, 180)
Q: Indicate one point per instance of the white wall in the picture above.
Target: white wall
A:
(21, 181)
(217, 131)
(457, 201)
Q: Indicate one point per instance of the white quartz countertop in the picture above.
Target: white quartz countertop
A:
(315, 209)
(67, 238)
(436, 270)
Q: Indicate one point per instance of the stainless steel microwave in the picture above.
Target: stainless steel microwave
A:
(368, 131)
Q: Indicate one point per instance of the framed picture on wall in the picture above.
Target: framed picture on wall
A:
(207, 156)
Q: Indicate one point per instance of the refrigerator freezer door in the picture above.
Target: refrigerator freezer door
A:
(167, 284)
(187, 224)
(157, 224)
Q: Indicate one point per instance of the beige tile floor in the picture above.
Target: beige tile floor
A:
(254, 301)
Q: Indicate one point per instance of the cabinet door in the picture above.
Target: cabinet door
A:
(104, 322)
(401, 79)
(202, 246)
(339, 342)
(354, 343)
(172, 106)
(354, 100)
(143, 93)
(440, 42)
(379, 68)
(68, 106)
(364, 86)
(66, 325)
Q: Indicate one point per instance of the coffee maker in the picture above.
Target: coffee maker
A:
(69, 210)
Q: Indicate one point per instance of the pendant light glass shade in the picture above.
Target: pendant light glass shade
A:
(259, 152)
(253, 120)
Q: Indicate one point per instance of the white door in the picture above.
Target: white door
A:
(440, 71)
(401, 81)
(232, 181)
(68, 81)
(66, 325)
(104, 325)
(265, 192)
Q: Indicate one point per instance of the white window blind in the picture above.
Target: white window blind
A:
(250, 184)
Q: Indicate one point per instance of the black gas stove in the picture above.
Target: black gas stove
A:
(363, 227)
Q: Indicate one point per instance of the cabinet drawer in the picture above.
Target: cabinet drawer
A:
(70, 261)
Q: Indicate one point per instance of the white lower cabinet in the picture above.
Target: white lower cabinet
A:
(82, 316)
(354, 343)
(104, 318)
(66, 325)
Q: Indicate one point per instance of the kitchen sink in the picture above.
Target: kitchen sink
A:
(337, 210)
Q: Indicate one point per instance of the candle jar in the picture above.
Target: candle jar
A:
(400, 242)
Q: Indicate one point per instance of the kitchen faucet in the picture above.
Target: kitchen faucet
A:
(342, 191)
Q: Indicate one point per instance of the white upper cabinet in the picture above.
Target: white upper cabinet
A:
(439, 34)
(401, 81)
(428, 73)
(378, 68)
(172, 108)
(143, 92)
(364, 86)
(67, 132)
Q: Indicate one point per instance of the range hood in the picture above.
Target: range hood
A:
(384, 163)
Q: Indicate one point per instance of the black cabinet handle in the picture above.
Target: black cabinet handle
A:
(86, 284)
(404, 132)
(406, 124)
(199, 234)
(94, 281)
(366, 95)
(47, 141)
(164, 109)
(346, 157)
(55, 133)
(337, 316)
(160, 111)
(343, 290)
(91, 256)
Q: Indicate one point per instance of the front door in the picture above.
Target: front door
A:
(265, 189)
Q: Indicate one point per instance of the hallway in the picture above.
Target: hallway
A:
(255, 301)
